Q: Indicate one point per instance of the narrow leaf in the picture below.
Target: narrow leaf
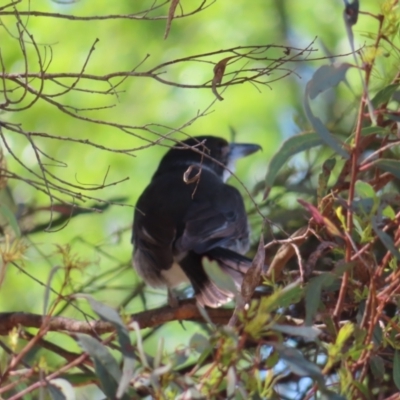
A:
(323, 132)
(299, 365)
(64, 388)
(57, 394)
(374, 130)
(344, 334)
(106, 366)
(389, 165)
(307, 332)
(231, 383)
(108, 314)
(329, 395)
(385, 239)
(324, 176)
(364, 190)
(384, 95)
(325, 78)
(48, 288)
(10, 218)
(199, 343)
(289, 148)
(377, 366)
(313, 294)
(396, 369)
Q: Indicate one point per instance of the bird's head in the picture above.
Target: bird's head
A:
(211, 152)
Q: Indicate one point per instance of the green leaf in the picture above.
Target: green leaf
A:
(48, 288)
(199, 342)
(344, 334)
(324, 176)
(108, 314)
(10, 218)
(389, 165)
(323, 132)
(231, 383)
(272, 359)
(315, 286)
(396, 369)
(368, 202)
(325, 78)
(106, 366)
(307, 332)
(56, 393)
(290, 294)
(384, 95)
(313, 294)
(329, 395)
(285, 297)
(374, 130)
(385, 239)
(388, 212)
(393, 117)
(61, 389)
(299, 365)
(377, 366)
(364, 190)
(289, 148)
(377, 335)
(139, 344)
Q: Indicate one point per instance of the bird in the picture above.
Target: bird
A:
(188, 213)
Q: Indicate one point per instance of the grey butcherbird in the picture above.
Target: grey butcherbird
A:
(188, 212)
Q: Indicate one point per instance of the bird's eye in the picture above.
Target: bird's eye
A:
(230, 215)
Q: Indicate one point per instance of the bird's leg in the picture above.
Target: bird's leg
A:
(173, 300)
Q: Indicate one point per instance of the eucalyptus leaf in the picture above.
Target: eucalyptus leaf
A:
(199, 342)
(307, 332)
(108, 314)
(385, 238)
(65, 389)
(57, 394)
(326, 77)
(290, 147)
(389, 165)
(106, 367)
(7, 214)
(384, 95)
(396, 369)
(298, 364)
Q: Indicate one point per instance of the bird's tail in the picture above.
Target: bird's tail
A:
(208, 293)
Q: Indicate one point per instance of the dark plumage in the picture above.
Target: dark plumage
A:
(178, 223)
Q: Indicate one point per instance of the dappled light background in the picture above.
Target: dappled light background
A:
(263, 114)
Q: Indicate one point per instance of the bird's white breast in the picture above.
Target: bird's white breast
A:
(174, 276)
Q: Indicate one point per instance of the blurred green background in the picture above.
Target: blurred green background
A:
(266, 116)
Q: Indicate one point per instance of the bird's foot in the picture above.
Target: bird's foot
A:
(173, 300)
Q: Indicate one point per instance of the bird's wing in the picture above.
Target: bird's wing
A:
(217, 221)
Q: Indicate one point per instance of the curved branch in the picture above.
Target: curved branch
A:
(186, 311)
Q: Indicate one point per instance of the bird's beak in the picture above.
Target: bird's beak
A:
(239, 150)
